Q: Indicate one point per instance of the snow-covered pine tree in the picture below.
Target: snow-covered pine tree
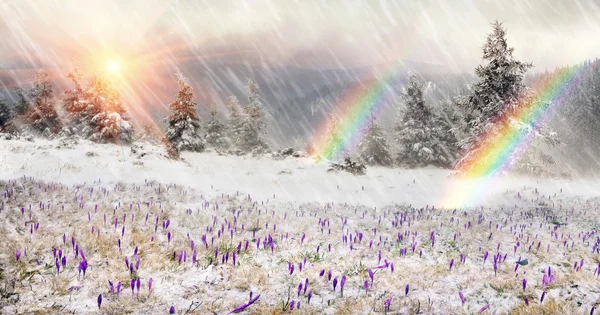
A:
(42, 116)
(494, 100)
(183, 125)
(75, 106)
(253, 125)
(215, 131)
(449, 127)
(23, 102)
(108, 121)
(416, 136)
(373, 148)
(235, 120)
(5, 114)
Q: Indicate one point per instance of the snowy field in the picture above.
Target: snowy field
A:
(213, 231)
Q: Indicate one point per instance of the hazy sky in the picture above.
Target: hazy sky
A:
(322, 33)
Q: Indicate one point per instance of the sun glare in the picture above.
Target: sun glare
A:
(112, 66)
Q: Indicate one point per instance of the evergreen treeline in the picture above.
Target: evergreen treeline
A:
(450, 134)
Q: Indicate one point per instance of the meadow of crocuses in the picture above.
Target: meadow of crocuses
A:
(150, 247)
(164, 248)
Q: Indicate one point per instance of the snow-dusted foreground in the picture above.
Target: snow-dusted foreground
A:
(207, 246)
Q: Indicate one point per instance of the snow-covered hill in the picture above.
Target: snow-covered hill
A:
(297, 180)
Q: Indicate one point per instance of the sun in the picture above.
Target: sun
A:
(113, 66)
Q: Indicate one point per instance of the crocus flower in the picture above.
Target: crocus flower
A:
(366, 286)
(524, 284)
(342, 283)
(150, 285)
(18, 255)
(371, 275)
(484, 308)
(99, 300)
(406, 290)
(244, 306)
(172, 310)
(112, 287)
(335, 281)
(462, 298)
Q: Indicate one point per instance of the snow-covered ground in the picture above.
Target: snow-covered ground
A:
(336, 222)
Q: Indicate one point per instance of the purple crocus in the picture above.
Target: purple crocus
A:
(342, 283)
(484, 308)
(366, 286)
(244, 306)
(172, 310)
(18, 255)
(99, 300)
(462, 298)
(335, 281)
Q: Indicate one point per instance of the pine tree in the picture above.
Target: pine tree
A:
(500, 82)
(23, 103)
(374, 148)
(5, 114)
(235, 121)
(494, 101)
(43, 116)
(183, 125)
(417, 135)
(215, 131)
(252, 127)
(75, 105)
(108, 121)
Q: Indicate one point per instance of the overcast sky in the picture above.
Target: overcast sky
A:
(324, 33)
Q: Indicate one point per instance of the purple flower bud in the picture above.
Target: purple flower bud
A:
(150, 285)
(335, 281)
(462, 298)
(99, 300)
(172, 310)
(484, 308)
(18, 255)
(366, 286)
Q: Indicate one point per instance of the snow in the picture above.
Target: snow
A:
(294, 194)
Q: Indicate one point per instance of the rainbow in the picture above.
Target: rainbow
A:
(499, 150)
(353, 111)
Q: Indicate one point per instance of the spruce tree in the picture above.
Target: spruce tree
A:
(183, 125)
(494, 100)
(23, 103)
(108, 121)
(215, 131)
(75, 105)
(252, 127)
(42, 116)
(5, 114)
(235, 121)
(374, 148)
(419, 142)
